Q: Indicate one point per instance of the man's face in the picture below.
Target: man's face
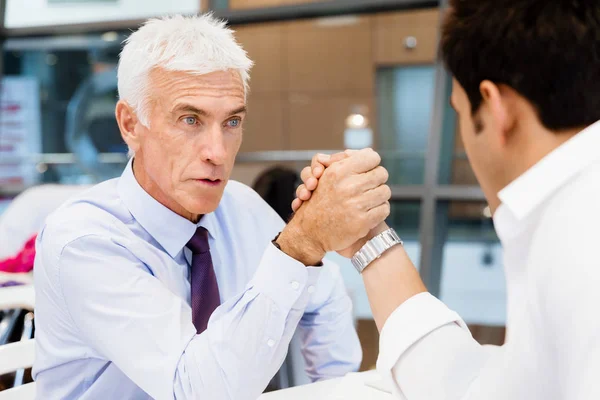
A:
(482, 139)
(195, 132)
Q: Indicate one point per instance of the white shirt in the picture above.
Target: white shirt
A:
(549, 226)
(26, 214)
(113, 317)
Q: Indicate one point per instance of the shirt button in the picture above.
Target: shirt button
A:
(295, 285)
(311, 289)
(270, 343)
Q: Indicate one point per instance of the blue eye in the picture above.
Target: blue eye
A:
(190, 120)
(234, 123)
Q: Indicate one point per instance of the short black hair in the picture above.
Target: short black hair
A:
(546, 50)
(277, 186)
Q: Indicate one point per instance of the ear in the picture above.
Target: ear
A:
(497, 107)
(127, 121)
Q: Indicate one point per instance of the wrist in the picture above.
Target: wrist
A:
(300, 246)
(382, 227)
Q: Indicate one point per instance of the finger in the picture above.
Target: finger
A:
(376, 197)
(318, 171)
(362, 161)
(378, 214)
(311, 183)
(317, 164)
(296, 204)
(372, 179)
(337, 157)
(302, 193)
(306, 174)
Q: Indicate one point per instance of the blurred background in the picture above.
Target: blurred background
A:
(329, 75)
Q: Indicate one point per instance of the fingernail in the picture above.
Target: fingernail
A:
(323, 157)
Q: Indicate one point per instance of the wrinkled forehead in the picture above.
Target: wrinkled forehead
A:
(168, 86)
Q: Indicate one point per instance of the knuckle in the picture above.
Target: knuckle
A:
(376, 156)
(306, 173)
(387, 209)
(333, 171)
(385, 175)
(387, 192)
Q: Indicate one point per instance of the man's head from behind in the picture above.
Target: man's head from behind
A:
(182, 85)
(526, 77)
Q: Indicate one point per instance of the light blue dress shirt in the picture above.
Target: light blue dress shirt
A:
(113, 319)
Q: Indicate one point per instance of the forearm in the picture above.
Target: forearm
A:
(248, 336)
(419, 333)
(390, 281)
(236, 357)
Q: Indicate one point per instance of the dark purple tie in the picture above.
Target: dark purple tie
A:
(205, 291)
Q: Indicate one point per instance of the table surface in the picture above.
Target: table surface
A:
(350, 387)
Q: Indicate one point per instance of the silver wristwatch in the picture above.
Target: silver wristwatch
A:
(374, 248)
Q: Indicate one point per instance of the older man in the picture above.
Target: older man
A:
(169, 282)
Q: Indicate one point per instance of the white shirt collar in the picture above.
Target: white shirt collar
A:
(172, 231)
(526, 193)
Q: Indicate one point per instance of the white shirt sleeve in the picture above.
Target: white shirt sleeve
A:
(133, 320)
(330, 344)
(427, 352)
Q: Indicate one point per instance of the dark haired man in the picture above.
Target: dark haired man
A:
(527, 93)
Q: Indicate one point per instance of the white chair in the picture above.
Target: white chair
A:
(26, 214)
(17, 297)
(16, 277)
(15, 357)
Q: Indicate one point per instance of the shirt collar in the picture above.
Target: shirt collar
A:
(523, 195)
(169, 229)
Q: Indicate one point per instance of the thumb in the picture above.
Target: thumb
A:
(327, 160)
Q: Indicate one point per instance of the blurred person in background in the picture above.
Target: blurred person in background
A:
(172, 282)
(527, 93)
(277, 186)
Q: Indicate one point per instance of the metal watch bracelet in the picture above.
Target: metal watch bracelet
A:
(375, 248)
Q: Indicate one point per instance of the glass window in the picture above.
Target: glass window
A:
(405, 220)
(454, 164)
(405, 103)
(68, 108)
(220, 4)
(473, 282)
(36, 13)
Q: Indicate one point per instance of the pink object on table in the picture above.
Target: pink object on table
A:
(23, 261)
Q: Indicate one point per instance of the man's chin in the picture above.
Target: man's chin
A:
(205, 205)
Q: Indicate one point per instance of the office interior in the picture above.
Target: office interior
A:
(328, 75)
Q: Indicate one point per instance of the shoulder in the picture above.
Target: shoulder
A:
(97, 212)
(563, 261)
(571, 215)
(244, 199)
(241, 208)
(237, 192)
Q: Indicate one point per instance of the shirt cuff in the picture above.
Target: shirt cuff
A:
(285, 280)
(409, 323)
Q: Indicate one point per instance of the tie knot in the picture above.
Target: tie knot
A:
(198, 244)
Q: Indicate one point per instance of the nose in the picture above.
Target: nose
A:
(213, 146)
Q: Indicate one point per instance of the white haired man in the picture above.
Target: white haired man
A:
(169, 282)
